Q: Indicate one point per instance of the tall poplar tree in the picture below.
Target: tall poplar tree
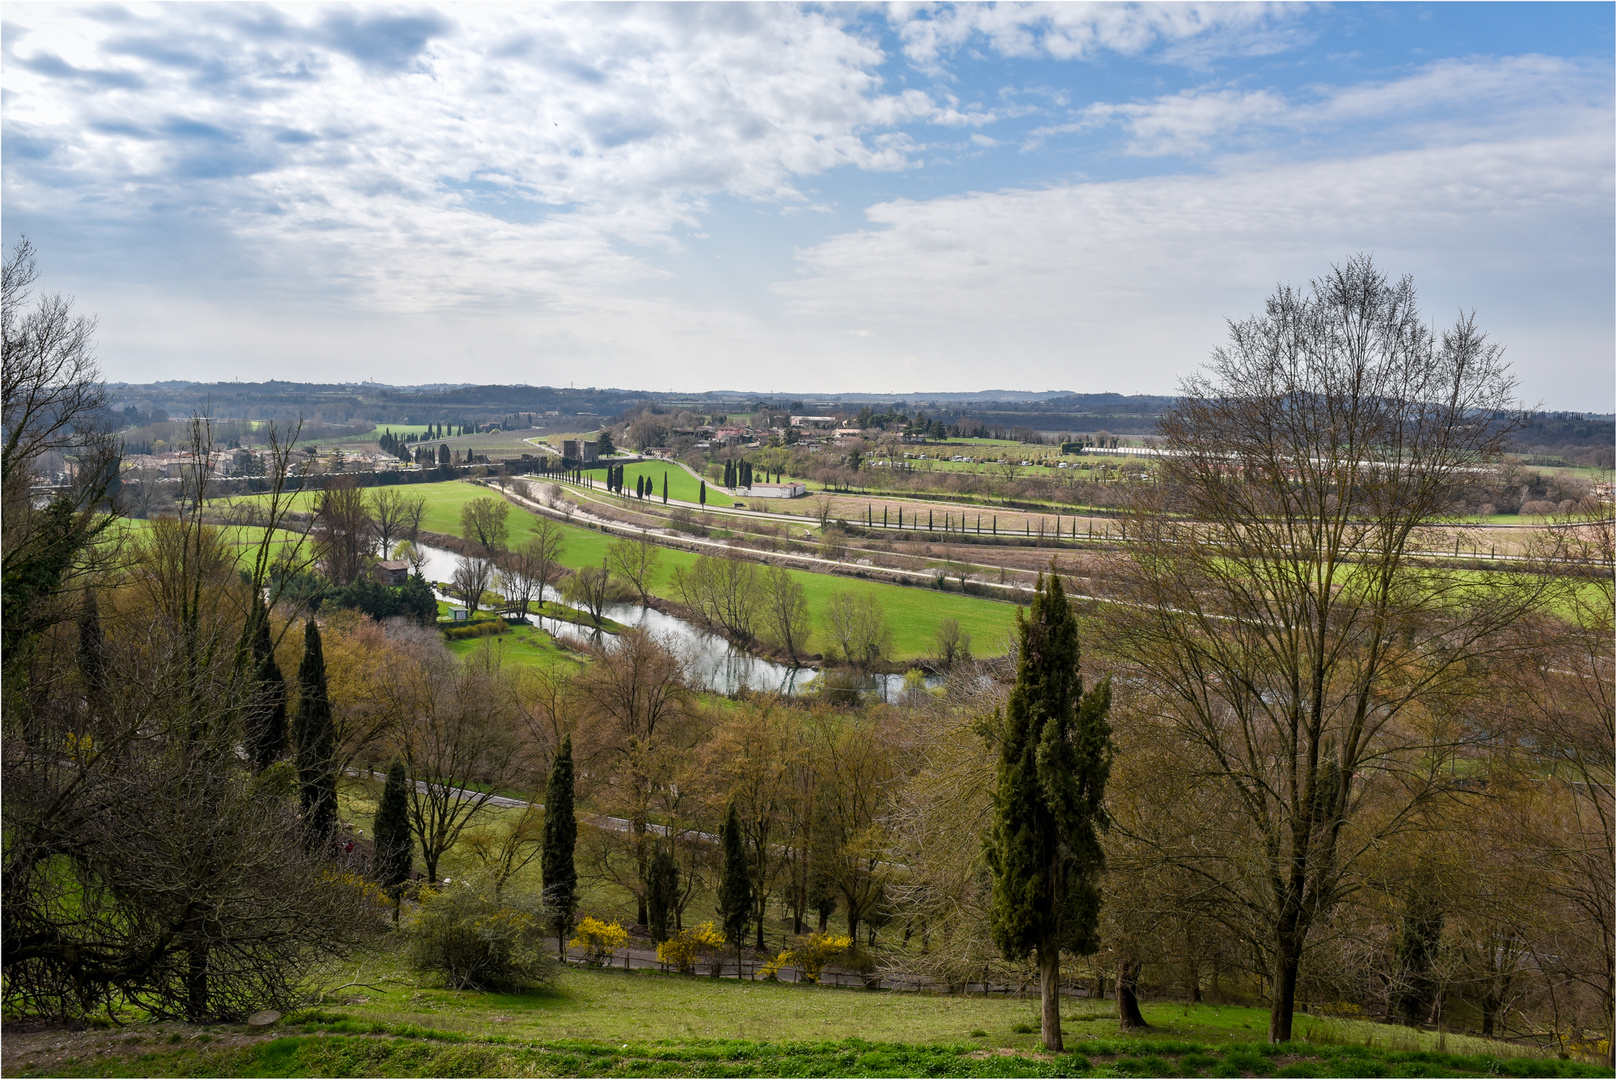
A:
(315, 743)
(735, 887)
(1043, 847)
(556, 853)
(391, 835)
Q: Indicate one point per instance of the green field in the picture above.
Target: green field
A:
(643, 1023)
(682, 486)
(913, 613)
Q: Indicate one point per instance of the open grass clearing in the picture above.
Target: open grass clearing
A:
(611, 1023)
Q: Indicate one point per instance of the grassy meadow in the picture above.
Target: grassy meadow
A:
(644, 1023)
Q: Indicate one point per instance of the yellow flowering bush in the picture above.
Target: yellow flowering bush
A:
(683, 948)
(600, 939)
(815, 951)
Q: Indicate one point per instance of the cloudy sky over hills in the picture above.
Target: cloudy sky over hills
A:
(794, 198)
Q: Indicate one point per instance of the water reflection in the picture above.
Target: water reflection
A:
(711, 661)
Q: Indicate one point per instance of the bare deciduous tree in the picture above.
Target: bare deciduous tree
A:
(395, 516)
(473, 575)
(636, 558)
(1278, 613)
(458, 741)
(639, 721)
(484, 521)
(785, 611)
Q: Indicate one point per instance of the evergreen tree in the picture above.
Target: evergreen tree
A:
(265, 734)
(662, 888)
(391, 836)
(735, 887)
(1043, 847)
(556, 853)
(315, 742)
(701, 493)
(665, 489)
(416, 600)
(92, 653)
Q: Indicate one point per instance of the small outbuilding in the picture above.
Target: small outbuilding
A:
(391, 572)
(787, 490)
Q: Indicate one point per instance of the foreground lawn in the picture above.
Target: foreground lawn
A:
(611, 1023)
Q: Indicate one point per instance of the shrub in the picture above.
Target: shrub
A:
(478, 938)
(480, 628)
(815, 951)
(683, 948)
(600, 939)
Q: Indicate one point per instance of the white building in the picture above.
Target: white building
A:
(786, 490)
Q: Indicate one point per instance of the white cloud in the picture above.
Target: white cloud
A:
(441, 159)
(1449, 100)
(1075, 31)
(1126, 284)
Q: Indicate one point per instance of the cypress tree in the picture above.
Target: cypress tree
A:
(556, 852)
(266, 712)
(315, 742)
(92, 653)
(1043, 847)
(391, 836)
(665, 489)
(701, 493)
(735, 887)
(662, 887)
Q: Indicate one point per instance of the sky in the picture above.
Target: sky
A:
(818, 198)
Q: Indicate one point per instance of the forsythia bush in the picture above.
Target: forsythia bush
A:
(600, 939)
(480, 939)
(683, 948)
(815, 951)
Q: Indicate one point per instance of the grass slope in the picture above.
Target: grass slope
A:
(609, 1023)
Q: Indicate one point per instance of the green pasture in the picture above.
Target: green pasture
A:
(401, 430)
(913, 613)
(521, 646)
(645, 1023)
(682, 486)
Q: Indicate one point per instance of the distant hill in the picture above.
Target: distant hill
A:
(1584, 438)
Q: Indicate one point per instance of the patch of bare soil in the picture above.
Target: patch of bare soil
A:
(40, 1047)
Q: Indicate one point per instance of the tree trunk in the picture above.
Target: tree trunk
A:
(1050, 997)
(196, 981)
(1288, 957)
(1128, 995)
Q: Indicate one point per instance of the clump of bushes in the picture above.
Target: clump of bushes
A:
(480, 628)
(810, 956)
(476, 937)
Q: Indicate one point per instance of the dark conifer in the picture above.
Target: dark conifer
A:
(1043, 847)
(560, 837)
(265, 734)
(662, 888)
(315, 743)
(391, 836)
(735, 887)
